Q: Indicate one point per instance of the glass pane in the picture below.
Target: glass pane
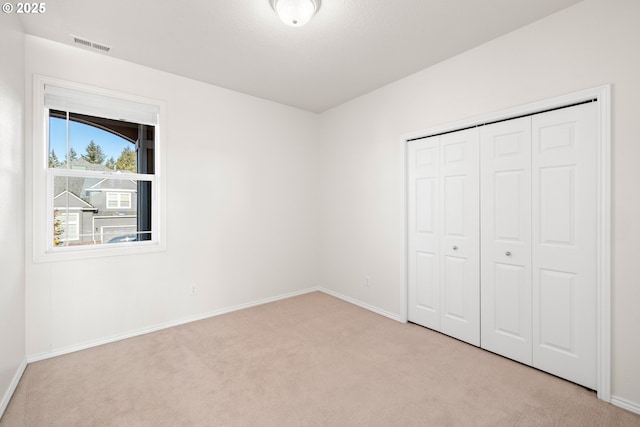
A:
(82, 142)
(90, 211)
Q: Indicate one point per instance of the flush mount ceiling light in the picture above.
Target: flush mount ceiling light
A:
(295, 12)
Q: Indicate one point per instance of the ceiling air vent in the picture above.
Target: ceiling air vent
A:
(89, 43)
(100, 47)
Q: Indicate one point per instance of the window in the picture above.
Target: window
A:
(98, 185)
(66, 226)
(118, 200)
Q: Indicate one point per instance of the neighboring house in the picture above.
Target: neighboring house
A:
(93, 210)
(73, 213)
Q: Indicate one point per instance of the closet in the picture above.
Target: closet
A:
(502, 238)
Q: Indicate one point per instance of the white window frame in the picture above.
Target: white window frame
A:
(43, 176)
(119, 200)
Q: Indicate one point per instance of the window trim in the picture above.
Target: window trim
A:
(43, 249)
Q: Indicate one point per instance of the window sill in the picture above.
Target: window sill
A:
(99, 251)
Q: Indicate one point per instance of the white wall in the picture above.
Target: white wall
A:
(12, 329)
(587, 45)
(241, 219)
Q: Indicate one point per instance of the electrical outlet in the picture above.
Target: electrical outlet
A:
(367, 281)
(194, 289)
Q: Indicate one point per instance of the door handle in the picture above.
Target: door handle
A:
(507, 253)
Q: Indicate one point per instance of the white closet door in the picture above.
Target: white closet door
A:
(460, 235)
(506, 238)
(424, 232)
(564, 242)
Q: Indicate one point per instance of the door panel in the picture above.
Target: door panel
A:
(564, 242)
(557, 325)
(426, 276)
(423, 157)
(453, 285)
(425, 190)
(557, 216)
(510, 281)
(460, 240)
(506, 238)
(507, 192)
(454, 206)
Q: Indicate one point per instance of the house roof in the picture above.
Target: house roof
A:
(82, 164)
(114, 184)
(78, 186)
(74, 185)
(67, 199)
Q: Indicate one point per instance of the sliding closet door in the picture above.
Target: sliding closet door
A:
(505, 164)
(423, 158)
(564, 242)
(460, 235)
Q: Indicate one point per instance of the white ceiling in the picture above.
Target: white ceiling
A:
(349, 48)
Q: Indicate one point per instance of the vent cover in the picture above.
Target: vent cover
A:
(88, 43)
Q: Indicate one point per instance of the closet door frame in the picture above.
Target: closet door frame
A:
(602, 94)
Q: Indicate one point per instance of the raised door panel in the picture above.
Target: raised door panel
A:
(426, 283)
(565, 242)
(459, 240)
(423, 158)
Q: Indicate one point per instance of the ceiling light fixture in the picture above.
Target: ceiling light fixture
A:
(295, 12)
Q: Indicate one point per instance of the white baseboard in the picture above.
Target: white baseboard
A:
(143, 331)
(362, 304)
(12, 387)
(625, 404)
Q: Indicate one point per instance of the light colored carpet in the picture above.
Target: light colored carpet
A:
(311, 360)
